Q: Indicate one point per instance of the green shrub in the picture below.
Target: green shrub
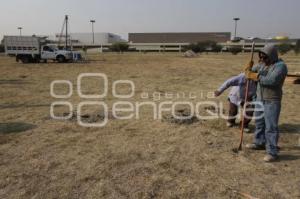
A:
(195, 47)
(235, 50)
(297, 47)
(119, 47)
(283, 48)
(204, 46)
(217, 48)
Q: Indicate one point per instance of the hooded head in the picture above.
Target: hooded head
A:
(271, 51)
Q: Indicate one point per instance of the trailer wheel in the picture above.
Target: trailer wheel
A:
(61, 58)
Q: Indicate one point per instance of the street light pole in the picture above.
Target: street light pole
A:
(236, 20)
(20, 29)
(93, 21)
(66, 20)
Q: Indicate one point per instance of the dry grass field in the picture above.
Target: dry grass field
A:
(45, 158)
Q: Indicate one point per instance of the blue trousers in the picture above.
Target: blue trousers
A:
(266, 121)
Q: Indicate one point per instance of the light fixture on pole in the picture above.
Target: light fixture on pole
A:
(93, 21)
(235, 29)
(20, 29)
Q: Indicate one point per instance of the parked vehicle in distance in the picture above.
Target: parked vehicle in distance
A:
(32, 49)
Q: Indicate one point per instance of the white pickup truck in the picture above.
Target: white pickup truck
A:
(30, 49)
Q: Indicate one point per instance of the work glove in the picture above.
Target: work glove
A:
(217, 93)
(248, 66)
(251, 75)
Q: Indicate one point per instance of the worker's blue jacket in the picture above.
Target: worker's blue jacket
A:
(271, 78)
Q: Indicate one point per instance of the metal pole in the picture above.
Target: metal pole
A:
(93, 34)
(245, 103)
(66, 45)
(235, 28)
(20, 29)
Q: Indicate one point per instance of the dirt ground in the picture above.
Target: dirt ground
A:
(41, 157)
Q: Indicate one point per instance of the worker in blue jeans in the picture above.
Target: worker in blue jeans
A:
(270, 74)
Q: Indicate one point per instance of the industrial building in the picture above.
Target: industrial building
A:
(180, 37)
(172, 41)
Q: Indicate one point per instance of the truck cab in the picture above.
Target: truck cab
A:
(52, 52)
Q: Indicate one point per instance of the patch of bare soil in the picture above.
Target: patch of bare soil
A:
(89, 117)
(181, 116)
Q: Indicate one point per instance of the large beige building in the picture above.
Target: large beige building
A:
(178, 37)
(172, 41)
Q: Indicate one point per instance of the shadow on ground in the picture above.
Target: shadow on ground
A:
(289, 128)
(7, 106)
(13, 81)
(288, 157)
(15, 127)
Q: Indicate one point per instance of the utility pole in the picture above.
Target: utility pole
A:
(66, 19)
(20, 29)
(236, 20)
(93, 21)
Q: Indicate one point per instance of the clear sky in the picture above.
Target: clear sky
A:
(262, 18)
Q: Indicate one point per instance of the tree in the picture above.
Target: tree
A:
(297, 47)
(235, 50)
(203, 46)
(197, 48)
(217, 48)
(119, 47)
(283, 48)
(189, 47)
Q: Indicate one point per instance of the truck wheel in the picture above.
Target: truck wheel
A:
(61, 58)
(25, 60)
(36, 60)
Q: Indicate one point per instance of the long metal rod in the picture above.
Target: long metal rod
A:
(245, 104)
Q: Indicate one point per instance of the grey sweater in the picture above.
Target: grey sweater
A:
(271, 78)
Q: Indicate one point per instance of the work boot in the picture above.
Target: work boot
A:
(247, 130)
(255, 147)
(229, 124)
(270, 158)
